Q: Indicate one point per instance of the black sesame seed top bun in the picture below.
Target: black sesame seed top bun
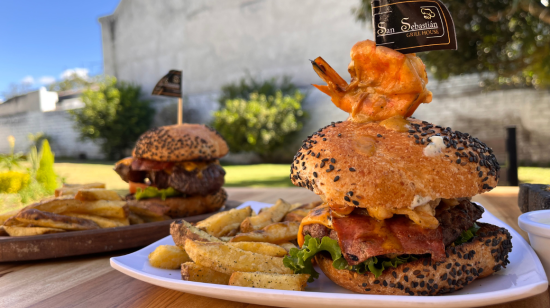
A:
(485, 254)
(180, 143)
(367, 165)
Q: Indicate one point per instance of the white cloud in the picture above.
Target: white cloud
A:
(46, 79)
(80, 72)
(28, 80)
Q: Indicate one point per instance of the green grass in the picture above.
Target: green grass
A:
(264, 175)
(534, 175)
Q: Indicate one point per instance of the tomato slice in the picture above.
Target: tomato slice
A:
(134, 186)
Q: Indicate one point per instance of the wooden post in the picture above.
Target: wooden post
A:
(511, 148)
(180, 111)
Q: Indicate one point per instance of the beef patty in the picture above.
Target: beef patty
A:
(204, 182)
(452, 220)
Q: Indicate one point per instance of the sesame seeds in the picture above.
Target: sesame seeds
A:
(352, 169)
(336, 178)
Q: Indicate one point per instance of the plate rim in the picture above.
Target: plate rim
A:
(299, 298)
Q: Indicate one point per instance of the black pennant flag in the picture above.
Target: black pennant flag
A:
(169, 85)
(413, 26)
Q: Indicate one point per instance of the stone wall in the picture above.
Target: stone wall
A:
(56, 124)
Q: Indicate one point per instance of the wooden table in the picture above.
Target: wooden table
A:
(91, 282)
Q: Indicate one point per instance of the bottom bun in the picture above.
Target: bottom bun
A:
(178, 207)
(485, 254)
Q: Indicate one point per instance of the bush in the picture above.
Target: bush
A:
(260, 124)
(11, 182)
(45, 174)
(246, 86)
(114, 115)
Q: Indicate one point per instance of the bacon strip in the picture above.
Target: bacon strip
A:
(362, 237)
(150, 165)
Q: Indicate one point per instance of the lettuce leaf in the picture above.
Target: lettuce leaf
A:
(153, 192)
(299, 260)
(467, 235)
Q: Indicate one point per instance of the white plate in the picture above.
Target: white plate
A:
(524, 277)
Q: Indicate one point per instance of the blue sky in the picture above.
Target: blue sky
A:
(42, 39)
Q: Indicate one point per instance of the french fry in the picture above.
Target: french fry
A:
(181, 230)
(148, 208)
(104, 208)
(296, 215)
(93, 194)
(103, 222)
(227, 259)
(294, 206)
(193, 272)
(29, 231)
(135, 219)
(55, 221)
(225, 238)
(275, 233)
(222, 223)
(57, 205)
(84, 186)
(291, 282)
(168, 257)
(13, 222)
(266, 217)
(72, 189)
(287, 246)
(261, 248)
(6, 215)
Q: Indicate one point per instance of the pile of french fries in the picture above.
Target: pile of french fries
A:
(237, 247)
(74, 208)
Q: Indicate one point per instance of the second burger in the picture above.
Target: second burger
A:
(175, 170)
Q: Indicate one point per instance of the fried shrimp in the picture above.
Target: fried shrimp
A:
(384, 83)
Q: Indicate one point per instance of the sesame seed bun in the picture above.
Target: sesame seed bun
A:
(180, 143)
(371, 165)
(484, 255)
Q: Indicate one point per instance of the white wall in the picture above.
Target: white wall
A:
(216, 42)
(56, 124)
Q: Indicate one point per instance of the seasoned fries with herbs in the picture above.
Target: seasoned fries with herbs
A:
(266, 217)
(93, 194)
(276, 233)
(267, 249)
(227, 259)
(291, 282)
(223, 223)
(194, 272)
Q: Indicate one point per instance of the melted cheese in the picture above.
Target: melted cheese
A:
(194, 165)
(319, 215)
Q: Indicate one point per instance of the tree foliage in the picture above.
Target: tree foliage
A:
(114, 115)
(248, 85)
(261, 123)
(16, 89)
(508, 39)
(45, 174)
(74, 81)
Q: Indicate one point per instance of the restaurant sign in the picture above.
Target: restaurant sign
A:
(413, 26)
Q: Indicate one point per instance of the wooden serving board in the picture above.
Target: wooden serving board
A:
(76, 243)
